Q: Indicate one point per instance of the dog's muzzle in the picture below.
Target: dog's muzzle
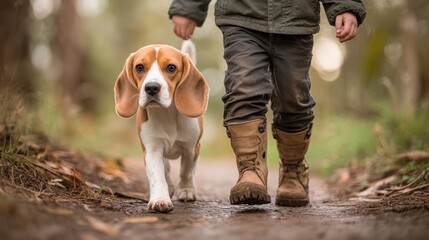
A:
(152, 88)
(152, 91)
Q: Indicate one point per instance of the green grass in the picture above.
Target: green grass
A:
(339, 139)
(104, 133)
(408, 134)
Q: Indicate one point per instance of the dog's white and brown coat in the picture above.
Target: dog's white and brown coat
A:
(168, 94)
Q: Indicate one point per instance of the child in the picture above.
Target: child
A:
(268, 49)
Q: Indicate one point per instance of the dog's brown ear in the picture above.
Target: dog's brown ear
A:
(126, 91)
(191, 96)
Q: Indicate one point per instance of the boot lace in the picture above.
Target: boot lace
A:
(296, 168)
(246, 165)
(291, 168)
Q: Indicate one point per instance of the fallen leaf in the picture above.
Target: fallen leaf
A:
(113, 165)
(56, 180)
(362, 199)
(110, 169)
(59, 211)
(148, 219)
(77, 175)
(57, 183)
(87, 208)
(109, 229)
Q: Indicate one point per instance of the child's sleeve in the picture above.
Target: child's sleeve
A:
(193, 9)
(333, 8)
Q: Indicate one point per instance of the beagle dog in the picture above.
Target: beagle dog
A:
(169, 96)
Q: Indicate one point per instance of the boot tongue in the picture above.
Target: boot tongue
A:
(249, 172)
(245, 165)
(295, 167)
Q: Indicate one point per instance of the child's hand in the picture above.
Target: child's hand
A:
(345, 26)
(183, 26)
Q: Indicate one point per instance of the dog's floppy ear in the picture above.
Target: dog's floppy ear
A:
(126, 91)
(191, 96)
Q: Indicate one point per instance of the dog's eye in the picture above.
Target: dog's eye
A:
(140, 68)
(171, 68)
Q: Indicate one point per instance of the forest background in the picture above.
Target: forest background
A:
(60, 59)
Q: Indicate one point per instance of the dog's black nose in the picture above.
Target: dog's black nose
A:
(152, 88)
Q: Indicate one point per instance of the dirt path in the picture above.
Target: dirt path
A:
(326, 217)
(212, 217)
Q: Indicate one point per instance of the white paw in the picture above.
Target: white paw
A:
(160, 205)
(187, 194)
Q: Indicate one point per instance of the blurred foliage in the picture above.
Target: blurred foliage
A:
(371, 87)
(339, 139)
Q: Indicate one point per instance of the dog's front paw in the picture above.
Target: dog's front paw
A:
(187, 194)
(160, 205)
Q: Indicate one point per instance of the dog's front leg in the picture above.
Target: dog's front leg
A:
(159, 196)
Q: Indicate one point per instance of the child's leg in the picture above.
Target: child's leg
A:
(248, 90)
(292, 103)
(247, 80)
(292, 107)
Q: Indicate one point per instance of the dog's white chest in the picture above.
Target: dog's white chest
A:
(170, 130)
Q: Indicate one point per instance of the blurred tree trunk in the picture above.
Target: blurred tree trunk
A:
(73, 81)
(411, 73)
(15, 64)
(423, 51)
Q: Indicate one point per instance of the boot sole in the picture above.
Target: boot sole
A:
(250, 197)
(292, 202)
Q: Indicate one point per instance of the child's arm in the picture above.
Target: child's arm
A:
(183, 27)
(346, 26)
(345, 15)
(186, 15)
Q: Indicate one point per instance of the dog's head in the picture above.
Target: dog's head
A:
(158, 76)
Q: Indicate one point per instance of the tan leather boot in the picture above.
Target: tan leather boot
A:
(293, 174)
(249, 142)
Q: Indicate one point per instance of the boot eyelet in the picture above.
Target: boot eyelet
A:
(275, 136)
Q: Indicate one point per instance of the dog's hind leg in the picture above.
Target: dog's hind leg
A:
(187, 191)
(168, 177)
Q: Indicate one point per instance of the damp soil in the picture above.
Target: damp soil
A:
(34, 215)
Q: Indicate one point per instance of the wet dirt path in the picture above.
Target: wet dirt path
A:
(212, 217)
